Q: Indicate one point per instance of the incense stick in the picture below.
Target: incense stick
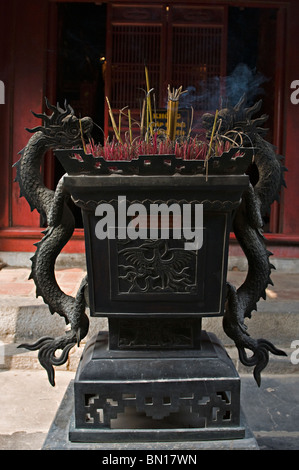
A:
(130, 125)
(82, 138)
(172, 111)
(112, 121)
(210, 145)
(142, 118)
(148, 98)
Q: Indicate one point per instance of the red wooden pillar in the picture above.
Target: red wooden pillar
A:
(27, 69)
(6, 76)
(29, 82)
(23, 67)
(290, 124)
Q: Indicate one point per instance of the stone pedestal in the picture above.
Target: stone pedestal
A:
(145, 401)
(156, 396)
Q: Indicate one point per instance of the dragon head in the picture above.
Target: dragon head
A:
(62, 129)
(237, 118)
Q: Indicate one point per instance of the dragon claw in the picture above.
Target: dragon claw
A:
(47, 346)
(260, 357)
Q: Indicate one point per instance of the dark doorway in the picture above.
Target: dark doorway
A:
(81, 58)
(251, 65)
(251, 58)
(81, 66)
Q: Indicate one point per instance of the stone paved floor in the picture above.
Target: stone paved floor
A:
(15, 281)
(28, 406)
(28, 403)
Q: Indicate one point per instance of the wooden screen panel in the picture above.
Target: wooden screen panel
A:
(181, 45)
(132, 47)
(198, 52)
(196, 63)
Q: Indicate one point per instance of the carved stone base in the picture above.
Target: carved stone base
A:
(169, 395)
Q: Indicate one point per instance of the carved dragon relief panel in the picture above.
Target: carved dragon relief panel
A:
(155, 266)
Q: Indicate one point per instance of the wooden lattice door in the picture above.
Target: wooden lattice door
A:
(181, 45)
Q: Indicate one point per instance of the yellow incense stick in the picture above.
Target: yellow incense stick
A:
(148, 98)
(191, 122)
(210, 145)
(142, 119)
(172, 118)
(212, 135)
(112, 121)
(82, 138)
(130, 125)
(119, 123)
(172, 111)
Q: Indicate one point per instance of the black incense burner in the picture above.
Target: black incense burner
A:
(155, 374)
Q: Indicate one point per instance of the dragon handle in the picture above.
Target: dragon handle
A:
(236, 124)
(62, 129)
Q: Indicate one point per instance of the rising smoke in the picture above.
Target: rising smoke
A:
(244, 80)
(220, 92)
